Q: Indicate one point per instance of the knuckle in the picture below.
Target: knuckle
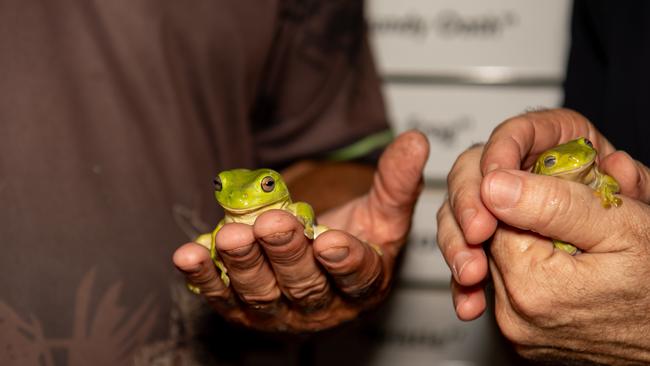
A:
(524, 120)
(363, 289)
(463, 197)
(250, 261)
(261, 296)
(466, 157)
(444, 217)
(636, 230)
(538, 307)
(362, 281)
(511, 326)
(222, 295)
(451, 179)
(314, 286)
(530, 303)
(643, 184)
(443, 210)
(446, 239)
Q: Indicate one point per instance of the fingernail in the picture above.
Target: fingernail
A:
(460, 261)
(504, 190)
(492, 167)
(459, 300)
(466, 216)
(334, 255)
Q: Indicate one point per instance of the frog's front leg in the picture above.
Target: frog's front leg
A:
(569, 248)
(208, 241)
(305, 214)
(607, 187)
(215, 256)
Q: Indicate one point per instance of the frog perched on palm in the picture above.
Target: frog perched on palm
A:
(244, 195)
(576, 161)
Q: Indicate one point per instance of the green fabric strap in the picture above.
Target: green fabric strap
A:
(362, 147)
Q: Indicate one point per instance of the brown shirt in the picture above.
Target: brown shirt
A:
(114, 117)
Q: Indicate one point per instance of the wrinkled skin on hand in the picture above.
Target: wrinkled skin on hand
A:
(552, 306)
(282, 281)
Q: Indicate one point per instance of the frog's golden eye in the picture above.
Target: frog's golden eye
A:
(217, 184)
(549, 161)
(588, 143)
(268, 183)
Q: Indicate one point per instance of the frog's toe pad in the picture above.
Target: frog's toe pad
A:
(225, 279)
(319, 229)
(566, 247)
(194, 289)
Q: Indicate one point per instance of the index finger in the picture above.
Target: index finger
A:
(515, 143)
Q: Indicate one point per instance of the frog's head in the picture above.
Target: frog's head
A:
(243, 190)
(574, 156)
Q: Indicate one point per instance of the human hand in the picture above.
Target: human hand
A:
(280, 281)
(554, 306)
(464, 222)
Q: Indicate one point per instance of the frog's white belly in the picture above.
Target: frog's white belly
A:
(249, 218)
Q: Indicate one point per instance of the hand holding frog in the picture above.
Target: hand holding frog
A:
(551, 305)
(244, 196)
(281, 280)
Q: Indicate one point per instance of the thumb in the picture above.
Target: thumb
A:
(398, 180)
(555, 208)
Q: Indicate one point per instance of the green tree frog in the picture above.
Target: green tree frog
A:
(244, 195)
(576, 161)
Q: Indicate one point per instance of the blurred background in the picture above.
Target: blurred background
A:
(453, 69)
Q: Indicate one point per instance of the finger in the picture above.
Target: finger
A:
(468, 263)
(194, 261)
(398, 182)
(292, 259)
(515, 143)
(464, 186)
(558, 209)
(509, 321)
(516, 253)
(250, 274)
(632, 175)
(469, 302)
(531, 279)
(355, 266)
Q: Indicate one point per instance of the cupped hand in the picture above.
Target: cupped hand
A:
(464, 221)
(281, 281)
(554, 306)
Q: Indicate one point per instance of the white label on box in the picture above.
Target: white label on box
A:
(454, 117)
(525, 38)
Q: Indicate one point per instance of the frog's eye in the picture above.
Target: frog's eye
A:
(549, 161)
(217, 184)
(268, 183)
(588, 143)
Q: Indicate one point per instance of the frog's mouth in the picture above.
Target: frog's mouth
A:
(578, 170)
(242, 211)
